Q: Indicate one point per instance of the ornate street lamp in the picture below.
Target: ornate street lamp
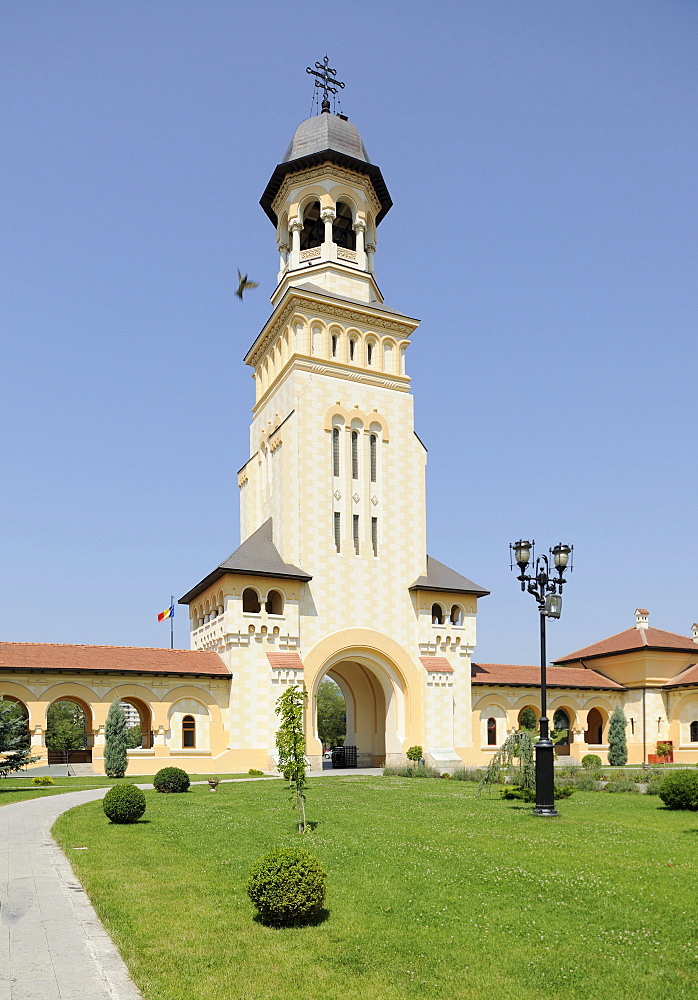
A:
(547, 590)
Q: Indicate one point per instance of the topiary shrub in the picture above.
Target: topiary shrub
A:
(679, 790)
(255, 772)
(591, 761)
(42, 779)
(171, 779)
(414, 753)
(124, 804)
(287, 887)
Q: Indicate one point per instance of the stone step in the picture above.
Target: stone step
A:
(82, 770)
(567, 762)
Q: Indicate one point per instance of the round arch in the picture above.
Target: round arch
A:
(78, 755)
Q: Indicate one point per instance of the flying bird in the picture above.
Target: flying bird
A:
(244, 283)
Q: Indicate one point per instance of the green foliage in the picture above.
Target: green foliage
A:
(65, 727)
(287, 887)
(679, 790)
(415, 753)
(124, 804)
(621, 783)
(134, 737)
(528, 720)
(14, 738)
(517, 747)
(588, 781)
(654, 783)
(331, 715)
(116, 742)
(617, 745)
(591, 761)
(253, 770)
(43, 779)
(529, 794)
(290, 742)
(171, 779)
(468, 774)
(414, 771)
(664, 749)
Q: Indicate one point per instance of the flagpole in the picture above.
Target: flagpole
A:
(171, 622)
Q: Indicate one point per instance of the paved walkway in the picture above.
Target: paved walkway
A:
(52, 944)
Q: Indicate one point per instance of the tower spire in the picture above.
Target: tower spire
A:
(327, 81)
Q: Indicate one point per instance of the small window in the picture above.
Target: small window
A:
(335, 451)
(373, 447)
(188, 731)
(274, 604)
(455, 615)
(354, 454)
(694, 732)
(437, 614)
(491, 732)
(374, 535)
(334, 345)
(355, 532)
(338, 531)
(250, 601)
(352, 349)
(369, 353)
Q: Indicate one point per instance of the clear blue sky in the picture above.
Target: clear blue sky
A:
(541, 156)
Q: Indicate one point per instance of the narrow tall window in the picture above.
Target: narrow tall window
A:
(188, 731)
(437, 614)
(355, 532)
(335, 451)
(491, 732)
(338, 531)
(354, 454)
(694, 732)
(374, 535)
(352, 349)
(374, 458)
(369, 354)
(334, 345)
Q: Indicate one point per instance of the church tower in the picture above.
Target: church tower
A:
(332, 577)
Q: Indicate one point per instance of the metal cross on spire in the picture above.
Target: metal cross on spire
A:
(327, 80)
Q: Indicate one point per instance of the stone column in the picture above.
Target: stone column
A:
(329, 251)
(360, 229)
(370, 250)
(283, 249)
(295, 226)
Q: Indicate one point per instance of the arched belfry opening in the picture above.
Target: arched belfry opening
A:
(343, 227)
(313, 232)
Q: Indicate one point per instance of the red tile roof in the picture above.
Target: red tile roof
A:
(687, 676)
(436, 664)
(633, 639)
(514, 675)
(103, 659)
(285, 661)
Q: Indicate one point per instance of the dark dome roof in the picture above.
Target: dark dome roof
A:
(323, 132)
(317, 140)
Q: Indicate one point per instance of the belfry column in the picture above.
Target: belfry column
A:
(328, 216)
(295, 226)
(360, 228)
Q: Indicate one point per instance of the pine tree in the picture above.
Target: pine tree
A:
(617, 745)
(290, 742)
(116, 743)
(14, 739)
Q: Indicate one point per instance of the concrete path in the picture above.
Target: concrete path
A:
(52, 944)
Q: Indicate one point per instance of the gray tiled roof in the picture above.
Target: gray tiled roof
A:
(257, 556)
(326, 132)
(440, 577)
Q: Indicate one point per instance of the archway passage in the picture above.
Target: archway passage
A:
(69, 732)
(561, 725)
(139, 722)
(331, 715)
(594, 731)
(18, 710)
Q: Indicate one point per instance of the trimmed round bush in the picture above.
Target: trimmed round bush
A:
(171, 779)
(287, 887)
(124, 804)
(679, 790)
(591, 761)
(42, 779)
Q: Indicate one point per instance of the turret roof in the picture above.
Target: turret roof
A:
(440, 577)
(631, 640)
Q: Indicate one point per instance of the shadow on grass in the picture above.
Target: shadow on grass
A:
(317, 918)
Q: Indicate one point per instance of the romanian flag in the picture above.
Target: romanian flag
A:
(168, 613)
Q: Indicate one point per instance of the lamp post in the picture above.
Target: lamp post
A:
(547, 590)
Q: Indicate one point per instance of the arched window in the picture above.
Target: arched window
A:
(352, 348)
(491, 732)
(313, 233)
(188, 731)
(694, 731)
(437, 614)
(373, 448)
(342, 228)
(594, 730)
(335, 451)
(561, 721)
(250, 601)
(274, 604)
(369, 353)
(455, 615)
(354, 454)
(334, 345)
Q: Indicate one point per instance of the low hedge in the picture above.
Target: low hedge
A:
(591, 761)
(679, 790)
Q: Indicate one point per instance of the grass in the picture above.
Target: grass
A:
(20, 789)
(432, 893)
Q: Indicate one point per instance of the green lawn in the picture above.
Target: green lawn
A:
(433, 893)
(19, 789)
